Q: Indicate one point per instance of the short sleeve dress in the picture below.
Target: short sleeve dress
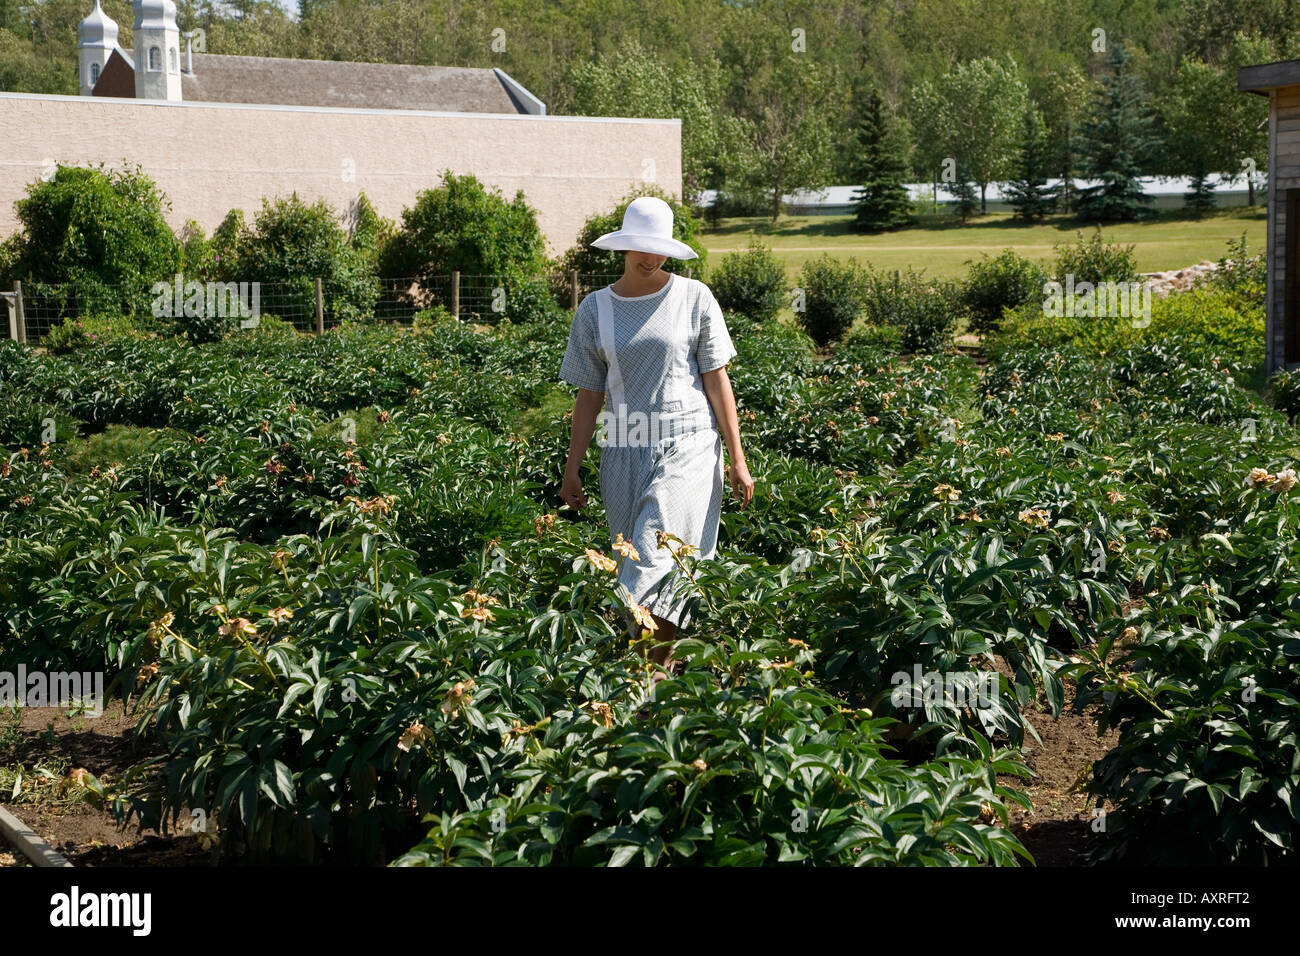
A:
(661, 451)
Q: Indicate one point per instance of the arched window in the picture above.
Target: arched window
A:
(94, 73)
(173, 65)
(155, 58)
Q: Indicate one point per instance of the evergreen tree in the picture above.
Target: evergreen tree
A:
(965, 192)
(1200, 197)
(1029, 193)
(882, 200)
(1114, 145)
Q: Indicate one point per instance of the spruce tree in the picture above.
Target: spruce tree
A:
(965, 193)
(882, 200)
(1114, 146)
(1029, 193)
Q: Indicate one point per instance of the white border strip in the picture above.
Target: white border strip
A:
(28, 843)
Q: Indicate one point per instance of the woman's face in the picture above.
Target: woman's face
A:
(644, 264)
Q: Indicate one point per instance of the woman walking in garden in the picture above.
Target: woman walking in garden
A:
(655, 347)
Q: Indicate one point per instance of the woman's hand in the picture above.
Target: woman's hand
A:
(571, 491)
(742, 485)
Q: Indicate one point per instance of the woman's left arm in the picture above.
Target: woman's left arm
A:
(717, 386)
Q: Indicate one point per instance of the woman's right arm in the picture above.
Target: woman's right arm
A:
(585, 409)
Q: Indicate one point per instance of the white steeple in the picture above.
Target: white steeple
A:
(96, 39)
(157, 51)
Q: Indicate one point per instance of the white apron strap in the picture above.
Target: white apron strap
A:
(613, 377)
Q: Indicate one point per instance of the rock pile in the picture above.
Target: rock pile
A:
(1179, 280)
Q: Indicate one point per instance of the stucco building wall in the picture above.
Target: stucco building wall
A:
(212, 157)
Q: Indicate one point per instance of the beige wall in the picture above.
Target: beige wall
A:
(211, 157)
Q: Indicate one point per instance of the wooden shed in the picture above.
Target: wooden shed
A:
(1280, 82)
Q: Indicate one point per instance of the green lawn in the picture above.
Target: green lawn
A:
(944, 247)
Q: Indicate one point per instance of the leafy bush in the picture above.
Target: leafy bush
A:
(85, 331)
(1284, 388)
(1004, 281)
(101, 232)
(1095, 260)
(832, 294)
(463, 226)
(430, 320)
(290, 244)
(529, 299)
(925, 310)
(751, 282)
(1218, 321)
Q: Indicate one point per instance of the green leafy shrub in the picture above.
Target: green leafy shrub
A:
(832, 294)
(102, 233)
(529, 298)
(1095, 260)
(430, 320)
(1216, 320)
(86, 331)
(925, 310)
(993, 284)
(1284, 388)
(463, 226)
(290, 244)
(751, 282)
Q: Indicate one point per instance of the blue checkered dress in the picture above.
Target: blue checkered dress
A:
(647, 354)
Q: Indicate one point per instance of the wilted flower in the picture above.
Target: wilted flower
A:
(700, 765)
(220, 481)
(1128, 634)
(873, 420)
(970, 515)
(1115, 496)
(413, 735)
(603, 712)
(265, 426)
(158, 627)
(642, 615)
(776, 665)
(79, 776)
(601, 561)
(279, 557)
(1056, 436)
(479, 598)
(279, 614)
(273, 467)
(145, 674)
(1259, 478)
(1003, 450)
(478, 614)
(625, 548)
(237, 626)
(946, 492)
(543, 523)
(818, 534)
(1286, 479)
(442, 439)
(1035, 517)
(1157, 534)
(458, 697)
(382, 418)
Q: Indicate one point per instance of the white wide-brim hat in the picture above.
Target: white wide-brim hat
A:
(647, 227)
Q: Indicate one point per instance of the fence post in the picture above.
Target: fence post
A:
(20, 316)
(573, 285)
(455, 294)
(320, 308)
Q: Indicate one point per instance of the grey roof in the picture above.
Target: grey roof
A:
(219, 78)
(1268, 76)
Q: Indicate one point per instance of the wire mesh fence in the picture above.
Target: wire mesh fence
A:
(308, 304)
